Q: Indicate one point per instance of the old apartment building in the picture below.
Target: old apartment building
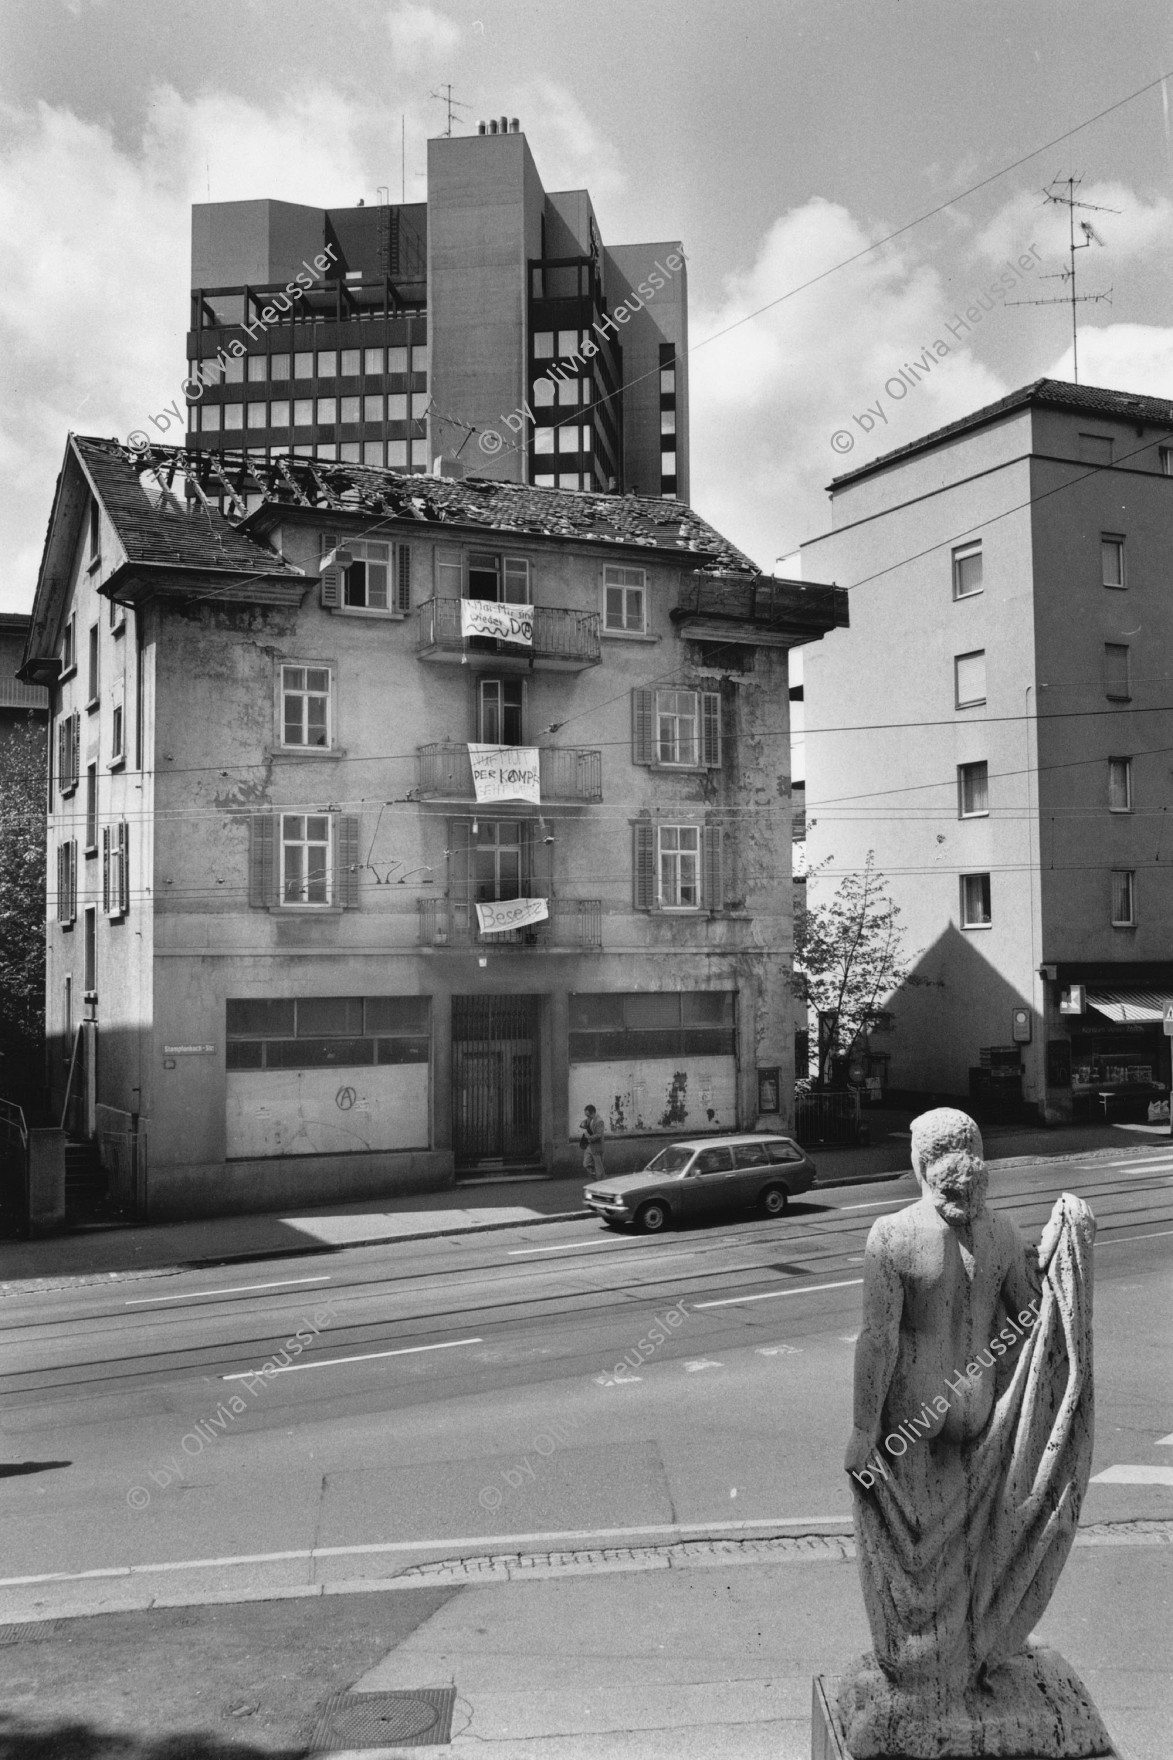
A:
(997, 724)
(491, 322)
(395, 818)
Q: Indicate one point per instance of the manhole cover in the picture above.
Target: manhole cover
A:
(416, 1717)
(30, 1631)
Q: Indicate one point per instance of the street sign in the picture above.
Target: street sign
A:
(1168, 1020)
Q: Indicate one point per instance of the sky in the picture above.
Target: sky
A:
(847, 176)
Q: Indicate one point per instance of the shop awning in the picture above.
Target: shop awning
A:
(1130, 1005)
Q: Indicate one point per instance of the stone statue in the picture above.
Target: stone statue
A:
(968, 1460)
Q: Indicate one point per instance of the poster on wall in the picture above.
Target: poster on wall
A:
(505, 773)
(508, 623)
(511, 913)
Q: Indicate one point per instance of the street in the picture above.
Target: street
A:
(470, 1395)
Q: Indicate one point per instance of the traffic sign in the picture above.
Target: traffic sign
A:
(1169, 1020)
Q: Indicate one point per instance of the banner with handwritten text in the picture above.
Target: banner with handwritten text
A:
(505, 773)
(512, 913)
(508, 623)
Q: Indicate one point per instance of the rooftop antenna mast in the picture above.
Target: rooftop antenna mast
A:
(1061, 193)
(444, 94)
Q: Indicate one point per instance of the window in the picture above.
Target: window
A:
(1112, 561)
(372, 408)
(91, 809)
(305, 858)
(92, 667)
(498, 848)
(568, 480)
(568, 439)
(303, 412)
(117, 738)
(419, 357)
(628, 1026)
(279, 366)
(419, 405)
(1095, 448)
(233, 415)
(967, 570)
(315, 1032)
(372, 360)
(327, 364)
(257, 365)
(973, 790)
(667, 464)
(543, 393)
(69, 752)
(69, 645)
(568, 391)
(210, 418)
(372, 452)
(397, 359)
(1116, 681)
(303, 364)
(1165, 460)
(624, 599)
(279, 413)
(1120, 785)
(1123, 898)
(970, 679)
(305, 706)
(67, 1020)
(667, 421)
(257, 415)
(95, 533)
(348, 361)
(327, 411)
(397, 454)
(975, 901)
(679, 868)
(67, 882)
(89, 980)
(348, 409)
(680, 728)
(667, 381)
(397, 406)
(543, 440)
(543, 345)
(366, 585)
(115, 879)
(501, 711)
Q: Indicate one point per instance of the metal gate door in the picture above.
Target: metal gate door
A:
(495, 1075)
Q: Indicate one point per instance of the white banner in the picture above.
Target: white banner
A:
(512, 913)
(505, 773)
(509, 623)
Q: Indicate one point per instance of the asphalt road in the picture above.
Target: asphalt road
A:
(470, 1394)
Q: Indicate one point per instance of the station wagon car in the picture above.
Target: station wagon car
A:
(704, 1177)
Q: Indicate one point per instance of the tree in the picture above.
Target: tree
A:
(22, 887)
(848, 957)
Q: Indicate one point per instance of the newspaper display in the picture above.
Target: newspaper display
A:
(511, 913)
(505, 773)
(508, 623)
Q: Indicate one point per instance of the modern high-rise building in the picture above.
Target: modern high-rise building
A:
(489, 323)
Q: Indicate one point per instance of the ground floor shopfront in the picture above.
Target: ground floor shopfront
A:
(352, 1079)
(1107, 1053)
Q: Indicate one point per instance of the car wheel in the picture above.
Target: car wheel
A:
(652, 1218)
(774, 1201)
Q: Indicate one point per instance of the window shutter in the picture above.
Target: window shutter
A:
(710, 728)
(348, 876)
(540, 878)
(331, 577)
(123, 866)
(62, 885)
(75, 750)
(106, 868)
(403, 577)
(459, 860)
(71, 877)
(643, 864)
(262, 874)
(62, 753)
(643, 727)
(712, 886)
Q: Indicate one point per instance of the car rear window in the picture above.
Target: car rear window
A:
(750, 1155)
(780, 1151)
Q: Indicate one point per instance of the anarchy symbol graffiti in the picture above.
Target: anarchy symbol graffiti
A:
(344, 1099)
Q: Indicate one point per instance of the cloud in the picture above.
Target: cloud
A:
(420, 33)
(1131, 227)
(769, 394)
(1122, 357)
(568, 149)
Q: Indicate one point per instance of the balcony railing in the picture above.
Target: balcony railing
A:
(572, 923)
(568, 773)
(562, 638)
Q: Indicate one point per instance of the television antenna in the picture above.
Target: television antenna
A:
(1060, 192)
(444, 94)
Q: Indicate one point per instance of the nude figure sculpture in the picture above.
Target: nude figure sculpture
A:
(969, 1458)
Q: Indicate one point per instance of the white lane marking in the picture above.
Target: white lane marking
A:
(410, 1350)
(606, 1380)
(1134, 1476)
(778, 1350)
(770, 1294)
(1165, 1441)
(511, 1542)
(1159, 1163)
(205, 1295)
(1155, 1235)
(701, 1363)
(874, 1205)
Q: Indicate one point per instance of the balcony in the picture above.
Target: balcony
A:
(575, 924)
(568, 773)
(564, 641)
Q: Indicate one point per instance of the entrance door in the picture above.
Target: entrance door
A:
(495, 1079)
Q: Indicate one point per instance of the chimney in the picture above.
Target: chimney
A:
(504, 129)
(452, 468)
(480, 128)
(492, 125)
(515, 126)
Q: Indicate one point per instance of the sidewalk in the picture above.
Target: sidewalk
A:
(473, 1206)
(697, 1651)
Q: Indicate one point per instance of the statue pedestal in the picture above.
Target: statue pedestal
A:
(1038, 1691)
